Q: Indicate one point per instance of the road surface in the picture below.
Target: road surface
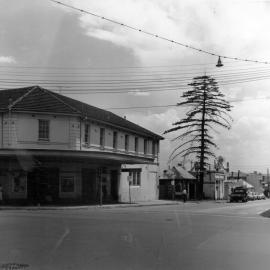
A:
(195, 236)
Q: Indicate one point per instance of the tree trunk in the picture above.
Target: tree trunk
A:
(201, 170)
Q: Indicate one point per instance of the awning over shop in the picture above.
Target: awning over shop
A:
(89, 156)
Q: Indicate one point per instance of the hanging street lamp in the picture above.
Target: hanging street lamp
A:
(219, 63)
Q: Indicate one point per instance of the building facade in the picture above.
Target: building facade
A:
(213, 186)
(139, 183)
(176, 179)
(54, 149)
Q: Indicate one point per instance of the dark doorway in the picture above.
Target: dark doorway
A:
(89, 186)
(43, 186)
(114, 185)
(165, 189)
(192, 191)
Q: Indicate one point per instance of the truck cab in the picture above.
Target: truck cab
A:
(239, 194)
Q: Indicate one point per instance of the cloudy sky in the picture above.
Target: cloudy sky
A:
(45, 43)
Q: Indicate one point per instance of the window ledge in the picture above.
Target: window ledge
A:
(43, 141)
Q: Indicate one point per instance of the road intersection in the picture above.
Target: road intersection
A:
(205, 235)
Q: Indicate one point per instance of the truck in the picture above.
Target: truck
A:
(239, 194)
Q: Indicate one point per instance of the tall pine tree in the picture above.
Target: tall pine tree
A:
(208, 109)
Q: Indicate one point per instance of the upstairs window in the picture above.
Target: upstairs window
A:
(145, 146)
(87, 133)
(115, 138)
(136, 145)
(43, 130)
(154, 148)
(102, 137)
(126, 142)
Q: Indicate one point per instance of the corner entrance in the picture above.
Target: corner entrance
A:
(43, 186)
(89, 186)
(114, 185)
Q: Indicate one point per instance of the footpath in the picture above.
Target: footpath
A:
(116, 205)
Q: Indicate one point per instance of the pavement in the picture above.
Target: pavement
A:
(118, 205)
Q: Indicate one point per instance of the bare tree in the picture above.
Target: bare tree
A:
(208, 110)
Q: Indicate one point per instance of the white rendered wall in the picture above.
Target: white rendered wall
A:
(147, 191)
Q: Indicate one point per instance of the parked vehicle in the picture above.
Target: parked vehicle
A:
(262, 196)
(250, 196)
(239, 194)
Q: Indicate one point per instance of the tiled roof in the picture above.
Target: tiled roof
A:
(37, 99)
(178, 172)
(181, 173)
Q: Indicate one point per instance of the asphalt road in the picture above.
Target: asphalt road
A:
(195, 236)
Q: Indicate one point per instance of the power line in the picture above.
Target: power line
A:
(134, 74)
(175, 105)
(130, 86)
(116, 70)
(169, 77)
(158, 36)
(110, 68)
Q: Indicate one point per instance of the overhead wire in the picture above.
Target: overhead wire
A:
(131, 78)
(123, 70)
(158, 36)
(111, 85)
(175, 105)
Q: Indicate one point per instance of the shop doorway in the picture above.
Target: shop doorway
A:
(43, 186)
(114, 185)
(89, 186)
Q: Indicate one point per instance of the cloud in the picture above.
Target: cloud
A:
(7, 60)
(139, 93)
(209, 25)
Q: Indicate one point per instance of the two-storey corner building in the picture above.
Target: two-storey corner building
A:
(56, 149)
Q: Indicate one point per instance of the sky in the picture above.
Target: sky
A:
(41, 41)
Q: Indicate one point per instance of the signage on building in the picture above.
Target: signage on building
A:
(219, 176)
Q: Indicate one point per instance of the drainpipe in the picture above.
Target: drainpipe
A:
(9, 122)
(2, 139)
(80, 133)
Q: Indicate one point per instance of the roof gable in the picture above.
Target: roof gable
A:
(41, 100)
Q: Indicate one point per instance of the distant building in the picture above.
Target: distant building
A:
(231, 184)
(256, 180)
(54, 149)
(213, 186)
(173, 181)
